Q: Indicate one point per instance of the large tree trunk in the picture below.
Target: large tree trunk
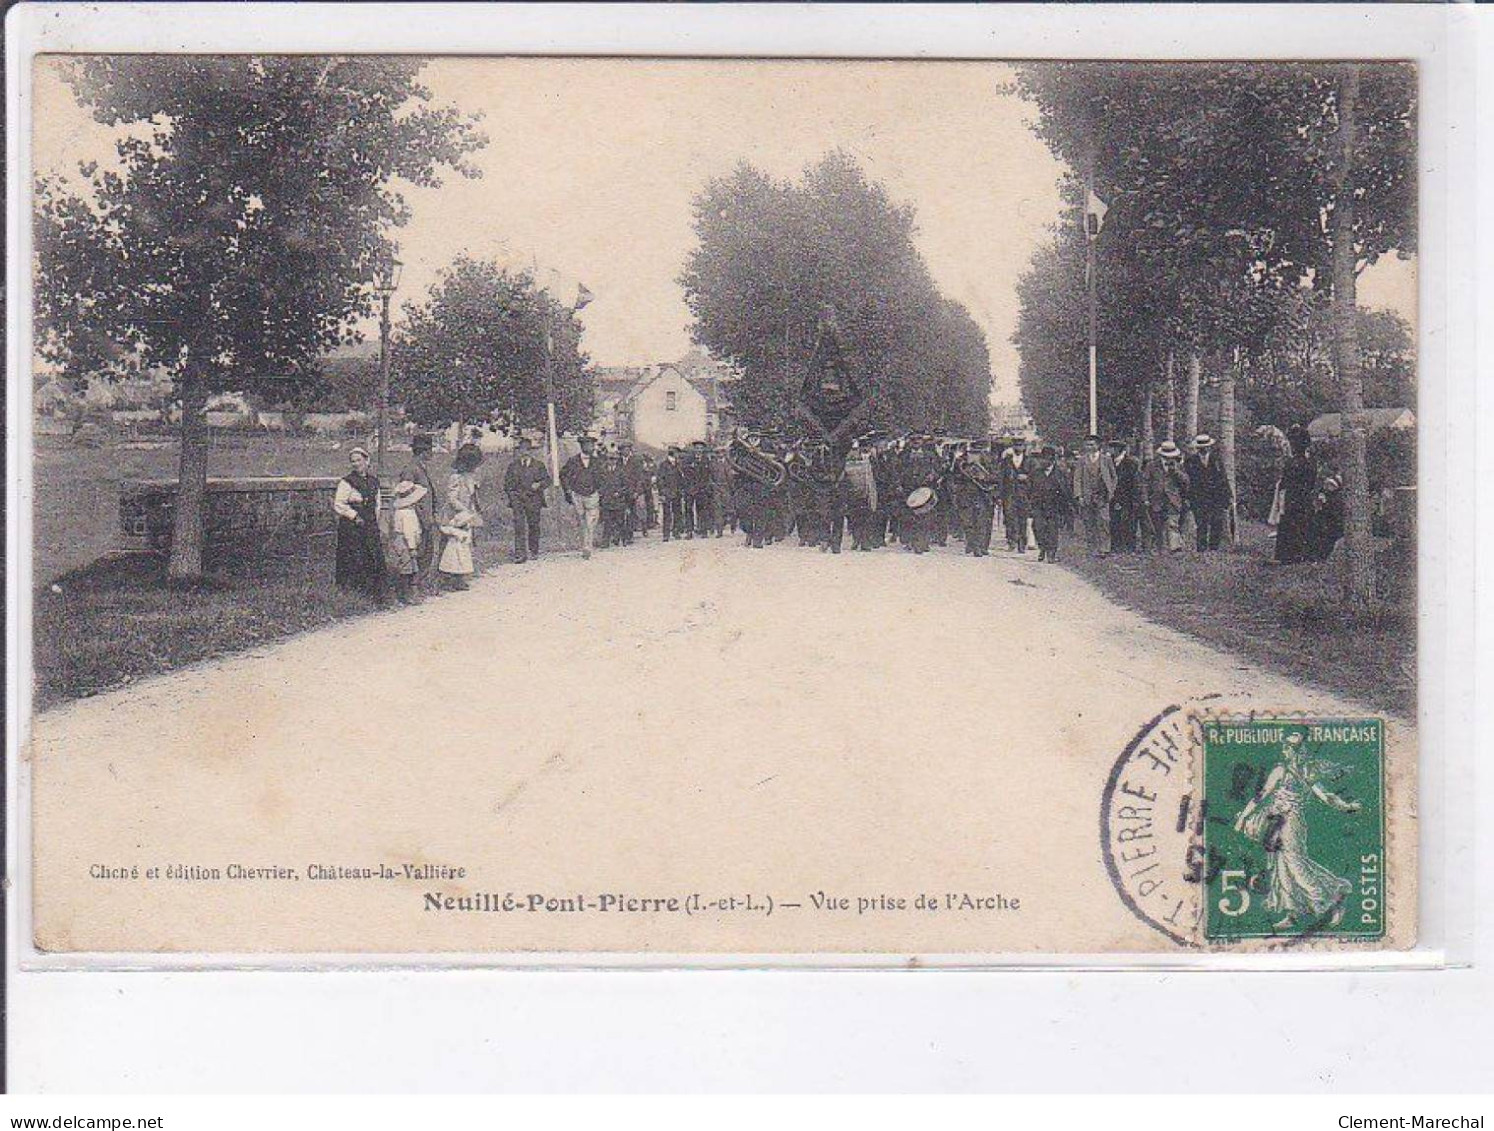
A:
(1172, 397)
(1148, 427)
(189, 510)
(1227, 439)
(1190, 402)
(1346, 350)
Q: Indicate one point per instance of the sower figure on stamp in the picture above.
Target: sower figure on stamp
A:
(1208, 491)
(1052, 504)
(524, 483)
(671, 479)
(579, 480)
(418, 473)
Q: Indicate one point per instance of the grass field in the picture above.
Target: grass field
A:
(1291, 618)
(104, 620)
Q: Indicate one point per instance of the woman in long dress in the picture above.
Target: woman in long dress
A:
(1298, 480)
(1298, 887)
(360, 552)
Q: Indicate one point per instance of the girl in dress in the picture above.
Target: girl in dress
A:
(460, 517)
(1299, 889)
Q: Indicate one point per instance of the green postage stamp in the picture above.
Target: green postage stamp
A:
(1295, 833)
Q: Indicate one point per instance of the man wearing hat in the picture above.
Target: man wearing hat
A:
(1327, 520)
(580, 480)
(636, 484)
(1094, 484)
(1209, 495)
(524, 483)
(671, 480)
(920, 469)
(1051, 503)
(1125, 500)
(698, 493)
(1016, 494)
(1167, 494)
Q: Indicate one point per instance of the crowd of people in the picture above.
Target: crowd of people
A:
(916, 491)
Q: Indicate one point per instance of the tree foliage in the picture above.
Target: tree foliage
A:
(1220, 184)
(234, 240)
(475, 349)
(776, 260)
(237, 239)
(1234, 188)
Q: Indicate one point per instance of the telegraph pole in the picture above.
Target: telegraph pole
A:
(1091, 230)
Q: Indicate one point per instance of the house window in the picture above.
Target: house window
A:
(671, 402)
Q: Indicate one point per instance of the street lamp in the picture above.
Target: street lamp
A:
(583, 297)
(386, 281)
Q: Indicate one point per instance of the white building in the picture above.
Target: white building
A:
(659, 405)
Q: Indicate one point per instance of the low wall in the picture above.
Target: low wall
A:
(252, 522)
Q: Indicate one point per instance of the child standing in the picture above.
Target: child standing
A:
(404, 539)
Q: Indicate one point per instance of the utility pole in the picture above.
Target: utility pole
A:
(552, 435)
(583, 296)
(385, 281)
(383, 383)
(1091, 231)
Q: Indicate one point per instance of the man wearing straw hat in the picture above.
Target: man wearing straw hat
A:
(1167, 494)
(1208, 491)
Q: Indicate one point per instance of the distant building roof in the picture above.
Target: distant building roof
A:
(624, 382)
(1331, 424)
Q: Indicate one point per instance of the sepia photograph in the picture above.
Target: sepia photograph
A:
(610, 508)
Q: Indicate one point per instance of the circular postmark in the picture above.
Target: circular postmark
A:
(1151, 826)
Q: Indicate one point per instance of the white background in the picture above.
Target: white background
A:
(796, 1030)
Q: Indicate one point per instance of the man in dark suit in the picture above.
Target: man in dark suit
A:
(1016, 494)
(671, 479)
(1125, 501)
(1052, 503)
(636, 483)
(698, 492)
(524, 483)
(1209, 495)
(580, 479)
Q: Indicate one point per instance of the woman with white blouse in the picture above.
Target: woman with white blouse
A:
(360, 553)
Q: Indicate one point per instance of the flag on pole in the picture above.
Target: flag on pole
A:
(1094, 214)
(583, 296)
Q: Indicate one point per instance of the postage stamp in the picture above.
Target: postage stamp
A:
(1294, 836)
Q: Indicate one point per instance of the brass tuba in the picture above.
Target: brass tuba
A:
(973, 467)
(755, 464)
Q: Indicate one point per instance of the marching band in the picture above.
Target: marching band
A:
(915, 490)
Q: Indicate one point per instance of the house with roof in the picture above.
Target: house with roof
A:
(659, 405)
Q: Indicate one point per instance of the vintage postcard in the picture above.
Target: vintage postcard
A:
(500, 507)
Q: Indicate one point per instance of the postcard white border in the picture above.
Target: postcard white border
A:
(1439, 38)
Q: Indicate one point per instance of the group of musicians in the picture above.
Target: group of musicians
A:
(915, 490)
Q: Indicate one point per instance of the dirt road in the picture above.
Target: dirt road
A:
(670, 720)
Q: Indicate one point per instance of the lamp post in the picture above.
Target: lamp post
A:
(386, 280)
(583, 296)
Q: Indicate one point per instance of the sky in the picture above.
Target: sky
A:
(591, 166)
